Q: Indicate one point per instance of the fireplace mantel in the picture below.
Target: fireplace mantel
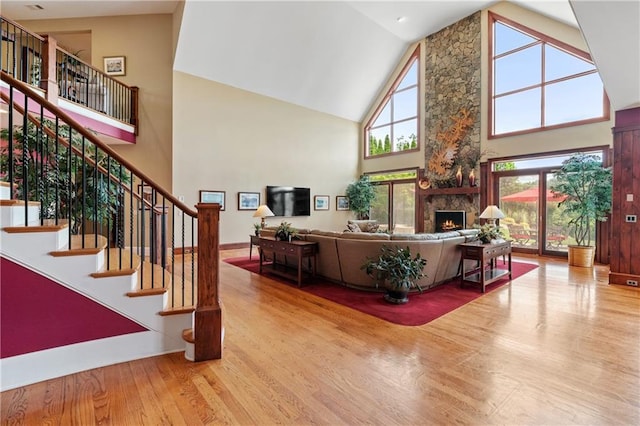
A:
(469, 191)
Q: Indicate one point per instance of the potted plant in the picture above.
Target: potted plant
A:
(64, 184)
(285, 232)
(587, 186)
(397, 271)
(257, 227)
(488, 233)
(360, 194)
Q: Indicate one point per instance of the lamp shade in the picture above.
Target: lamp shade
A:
(263, 211)
(491, 212)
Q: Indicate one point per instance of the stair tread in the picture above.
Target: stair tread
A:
(187, 335)
(10, 203)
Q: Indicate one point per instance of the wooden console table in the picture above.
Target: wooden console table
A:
(485, 254)
(254, 240)
(296, 249)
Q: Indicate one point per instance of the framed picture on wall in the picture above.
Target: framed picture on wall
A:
(321, 202)
(213, 197)
(342, 202)
(114, 65)
(248, 200)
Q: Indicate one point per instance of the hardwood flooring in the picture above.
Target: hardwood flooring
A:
(557, 346)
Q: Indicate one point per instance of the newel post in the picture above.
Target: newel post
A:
(49, 74)
(208, 314)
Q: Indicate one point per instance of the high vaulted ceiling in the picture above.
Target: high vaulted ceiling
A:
(335, 56)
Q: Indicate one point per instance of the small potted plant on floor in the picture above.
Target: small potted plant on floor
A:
(588, 187)
(397, 270)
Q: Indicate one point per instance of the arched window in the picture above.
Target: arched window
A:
(538, 83)
(393, 128)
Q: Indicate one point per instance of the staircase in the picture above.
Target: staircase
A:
(48, 251)
(82, 218)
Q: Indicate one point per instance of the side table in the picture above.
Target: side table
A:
(295, 249)
(254, 240)
(485, 255)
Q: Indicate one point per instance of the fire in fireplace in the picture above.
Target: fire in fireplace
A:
(450, 220)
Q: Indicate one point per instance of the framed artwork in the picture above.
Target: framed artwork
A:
(321, 202)
(248, 200)
(342, 202)
(216, 197)
(114, 65)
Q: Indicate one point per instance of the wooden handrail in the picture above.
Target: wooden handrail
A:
(27, 90)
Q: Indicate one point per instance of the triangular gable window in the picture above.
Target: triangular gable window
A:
(538, 83)
(394, 126)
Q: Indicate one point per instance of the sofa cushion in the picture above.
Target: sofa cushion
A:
(364, 225)
(414, 237)
(381, 236)
(352, 227)
(446, 235)
(325, 233)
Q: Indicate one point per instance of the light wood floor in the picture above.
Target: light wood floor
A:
(557, 347)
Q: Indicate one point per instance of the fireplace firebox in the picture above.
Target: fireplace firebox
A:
(450, 220)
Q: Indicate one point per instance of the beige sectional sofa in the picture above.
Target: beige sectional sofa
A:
(341, 254)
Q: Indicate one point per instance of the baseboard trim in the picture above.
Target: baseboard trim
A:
(621, 279)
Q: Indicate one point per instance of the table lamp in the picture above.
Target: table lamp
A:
(492, 213)
(262, 212)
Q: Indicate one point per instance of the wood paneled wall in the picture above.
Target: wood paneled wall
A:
(625, 236)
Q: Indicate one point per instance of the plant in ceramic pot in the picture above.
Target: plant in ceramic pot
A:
(397, 270)
(285, 232)
(360, 194)
(588, 187)
(257, 227)
(488, 233)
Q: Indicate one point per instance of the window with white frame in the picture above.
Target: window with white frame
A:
(394, 126)
(538, 83)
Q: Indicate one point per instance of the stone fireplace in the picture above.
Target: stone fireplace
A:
(450, 220)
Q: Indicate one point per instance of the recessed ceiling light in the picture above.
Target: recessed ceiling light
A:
(401, 19)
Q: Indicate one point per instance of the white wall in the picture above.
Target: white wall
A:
(227, 139)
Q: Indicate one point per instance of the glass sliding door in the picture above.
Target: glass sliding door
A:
(519, 197)
(394, 206)
(556, 235)
(404, 208)
(380, 207)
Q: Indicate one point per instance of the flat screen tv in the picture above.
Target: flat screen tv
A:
(289, 201)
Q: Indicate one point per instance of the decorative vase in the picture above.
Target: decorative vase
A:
(459, 176)
(472, 178)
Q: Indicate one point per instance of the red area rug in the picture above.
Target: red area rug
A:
(421, 308)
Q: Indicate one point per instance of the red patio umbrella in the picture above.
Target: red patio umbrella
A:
(531, 195)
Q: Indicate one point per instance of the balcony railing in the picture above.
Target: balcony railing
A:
(39, 62)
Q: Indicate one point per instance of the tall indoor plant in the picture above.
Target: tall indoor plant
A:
(397, 271)
(68, 183)
(360, 194)
(588, 187)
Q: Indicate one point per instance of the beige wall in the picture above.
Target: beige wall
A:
(551, 140)
(227, 139)
(146, 42)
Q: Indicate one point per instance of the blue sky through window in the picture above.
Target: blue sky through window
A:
(569, 86)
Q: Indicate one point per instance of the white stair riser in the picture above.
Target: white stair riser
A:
(5, 193)
(14, 215)
(30, 243)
